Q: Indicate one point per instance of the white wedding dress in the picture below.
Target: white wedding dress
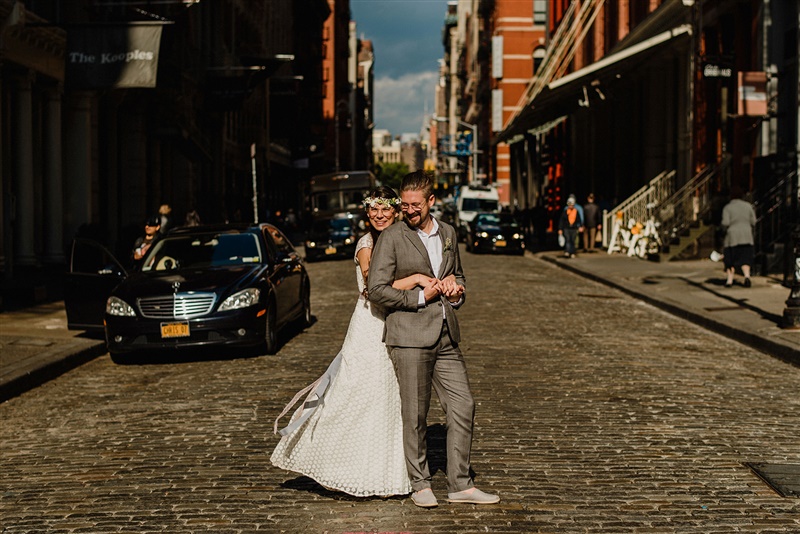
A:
(351, 439)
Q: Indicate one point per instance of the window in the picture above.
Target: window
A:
(540, 12)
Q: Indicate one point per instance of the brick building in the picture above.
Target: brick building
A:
(669, 101)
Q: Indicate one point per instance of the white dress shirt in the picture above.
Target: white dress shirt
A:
(433, 245)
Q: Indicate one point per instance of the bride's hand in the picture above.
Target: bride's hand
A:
(425, 282)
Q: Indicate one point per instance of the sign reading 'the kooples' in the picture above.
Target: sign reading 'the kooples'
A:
(113, 56)
(103, 59)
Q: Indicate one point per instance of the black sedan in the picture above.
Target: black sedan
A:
(332, 237)
(495, 232)
(215, 285)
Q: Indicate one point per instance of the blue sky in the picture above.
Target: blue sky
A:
(407, 38)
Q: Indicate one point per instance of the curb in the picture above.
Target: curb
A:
(61, 362)
(760, 343)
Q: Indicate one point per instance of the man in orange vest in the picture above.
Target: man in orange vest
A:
(570, 225)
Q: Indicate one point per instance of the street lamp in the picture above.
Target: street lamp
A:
(474, 128)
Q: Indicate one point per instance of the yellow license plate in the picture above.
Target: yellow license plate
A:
(174, 329)
(330, 250)
(500, 243)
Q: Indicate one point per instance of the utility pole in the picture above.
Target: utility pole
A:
(255, 182)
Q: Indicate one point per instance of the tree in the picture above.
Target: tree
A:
(391, 174)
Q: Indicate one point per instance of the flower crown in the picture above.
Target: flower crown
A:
(388, 202)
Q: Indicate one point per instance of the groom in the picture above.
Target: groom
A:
(422, 335)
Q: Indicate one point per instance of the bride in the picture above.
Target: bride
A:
(347, 435)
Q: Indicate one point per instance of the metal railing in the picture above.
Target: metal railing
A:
(690, 204)
(639, 205)
(773, 215)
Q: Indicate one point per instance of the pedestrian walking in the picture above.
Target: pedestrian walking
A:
(570, 225)
(592, 222)
(738, 220)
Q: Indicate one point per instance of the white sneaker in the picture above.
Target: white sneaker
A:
(425, 498)
(473, 496)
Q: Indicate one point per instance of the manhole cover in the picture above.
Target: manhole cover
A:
(783, 478)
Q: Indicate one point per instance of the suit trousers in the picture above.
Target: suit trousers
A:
(441, 366)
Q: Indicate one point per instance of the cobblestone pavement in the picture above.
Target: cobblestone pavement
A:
(595, 413)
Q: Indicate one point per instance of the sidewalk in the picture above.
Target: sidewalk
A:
(35, 345)
(695, 290)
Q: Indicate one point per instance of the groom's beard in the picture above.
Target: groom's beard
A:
(413, 219)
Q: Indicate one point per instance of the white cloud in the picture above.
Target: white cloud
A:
(400, 102)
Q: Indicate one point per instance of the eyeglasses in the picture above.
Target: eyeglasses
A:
(416, 206)
(374, 210)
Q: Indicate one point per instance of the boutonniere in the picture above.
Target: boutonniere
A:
(448, 244)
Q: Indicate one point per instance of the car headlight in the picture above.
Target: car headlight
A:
(518, 236)
(120, 308)
(484, 234)
(348, 240)
(311, 244)
(242, 299)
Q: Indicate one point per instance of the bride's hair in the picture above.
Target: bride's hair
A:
(388, 193)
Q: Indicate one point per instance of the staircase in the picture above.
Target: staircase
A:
(682, 215)
(774, 215)
(638, 206)
(688, 237)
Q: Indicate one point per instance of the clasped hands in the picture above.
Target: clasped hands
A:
(433, 287)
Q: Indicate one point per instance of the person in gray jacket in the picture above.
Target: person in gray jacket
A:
(738, 220)
(422, 334)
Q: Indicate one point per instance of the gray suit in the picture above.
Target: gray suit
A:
(423, 343)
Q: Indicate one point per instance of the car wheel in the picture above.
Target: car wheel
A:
(271, 331)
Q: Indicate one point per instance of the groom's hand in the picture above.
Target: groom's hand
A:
(450, 288)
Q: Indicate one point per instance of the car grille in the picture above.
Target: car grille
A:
(177, 306)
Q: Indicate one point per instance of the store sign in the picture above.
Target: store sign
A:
(753, 93)
(497, 56)
(124, 56)
(711, 70)
(497, 110)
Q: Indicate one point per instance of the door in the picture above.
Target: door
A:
(93, 273)
(287, 274)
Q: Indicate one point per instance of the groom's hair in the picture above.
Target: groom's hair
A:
(418, 181)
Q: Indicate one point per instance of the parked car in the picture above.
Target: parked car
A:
(332, 237)
(230, 285)
(495, 232)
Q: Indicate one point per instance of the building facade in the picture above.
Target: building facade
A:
(239, 93)
(679, 97)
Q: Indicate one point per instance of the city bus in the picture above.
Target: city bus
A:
(339, 192)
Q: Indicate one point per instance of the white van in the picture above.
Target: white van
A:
(471, 200)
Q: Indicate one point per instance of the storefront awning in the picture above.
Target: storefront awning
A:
(577, 89)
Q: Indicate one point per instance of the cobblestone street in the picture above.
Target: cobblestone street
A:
(595, 413)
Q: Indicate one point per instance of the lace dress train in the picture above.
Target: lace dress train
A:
(348, 434)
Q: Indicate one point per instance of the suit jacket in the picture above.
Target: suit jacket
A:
(399, 253)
